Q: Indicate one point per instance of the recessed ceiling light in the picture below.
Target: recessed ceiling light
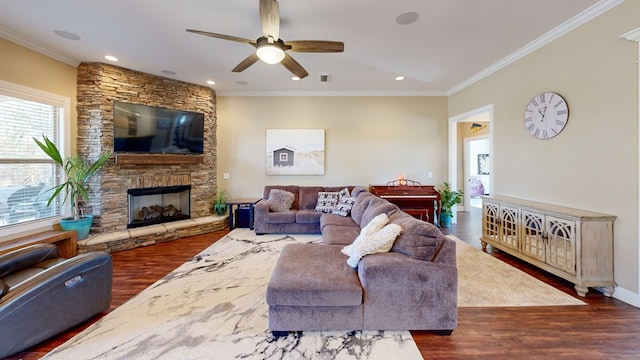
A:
(407, 17)
(168, 72)
(399, 77)
(67, 35)
(111, 58)
(211, 82)
(295, 78)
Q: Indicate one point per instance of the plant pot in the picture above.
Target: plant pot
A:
(81, 226)
(445, 220)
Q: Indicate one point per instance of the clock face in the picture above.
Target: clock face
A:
(546, 115)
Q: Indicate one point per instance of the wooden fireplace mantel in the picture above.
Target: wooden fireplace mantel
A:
(158, 159)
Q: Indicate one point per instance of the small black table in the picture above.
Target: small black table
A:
(240, 202)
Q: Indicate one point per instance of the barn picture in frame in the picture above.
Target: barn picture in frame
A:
(295, 152)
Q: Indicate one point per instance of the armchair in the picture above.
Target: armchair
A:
(42, 294)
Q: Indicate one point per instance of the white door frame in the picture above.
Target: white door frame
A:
(453, 146)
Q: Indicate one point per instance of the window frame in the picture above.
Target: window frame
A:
(36, 95)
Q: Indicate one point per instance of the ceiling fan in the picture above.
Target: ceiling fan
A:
(270, 48)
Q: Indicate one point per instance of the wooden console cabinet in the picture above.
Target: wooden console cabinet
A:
(573, 244)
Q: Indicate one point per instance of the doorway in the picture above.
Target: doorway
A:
(458, 174)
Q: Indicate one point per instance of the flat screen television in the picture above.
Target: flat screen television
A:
(149, 129)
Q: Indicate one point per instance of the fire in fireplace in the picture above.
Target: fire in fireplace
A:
(148, 206)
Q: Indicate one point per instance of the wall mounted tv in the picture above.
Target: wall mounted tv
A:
(149, 129)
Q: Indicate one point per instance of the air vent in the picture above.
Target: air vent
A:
(324, 78)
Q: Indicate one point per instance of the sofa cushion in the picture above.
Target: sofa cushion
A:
(360, 205)
(313, 275)
(419, 239)
(339, 235)
(327, 201)
(376, 207)
(282, 217)
(331, 219)
(280, 200)
(308, 196)
(343, 208)
(308, 216)
(379, 241)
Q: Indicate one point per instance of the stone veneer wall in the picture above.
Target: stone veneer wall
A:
(98, 86)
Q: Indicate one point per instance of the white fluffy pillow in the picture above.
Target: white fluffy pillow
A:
(372, 227)
(380, 241)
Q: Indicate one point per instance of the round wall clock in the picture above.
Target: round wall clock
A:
(546, 115)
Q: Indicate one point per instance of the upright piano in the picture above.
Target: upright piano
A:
(420, 201)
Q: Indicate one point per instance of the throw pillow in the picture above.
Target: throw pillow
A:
(371, 228)
(380, 241)
(327, 201)
(280, 200)
(344, 206)
(342, 193)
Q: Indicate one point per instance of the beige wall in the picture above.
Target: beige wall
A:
(367, 140)
(593, 163)
(28, 68)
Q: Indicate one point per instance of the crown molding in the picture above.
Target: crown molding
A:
(342, 93)
(633, 35)
(13, 37)
(580, 19)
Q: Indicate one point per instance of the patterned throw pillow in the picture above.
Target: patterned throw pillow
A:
(344, 206)
(327, 201)
(342, 193)
(280, 200)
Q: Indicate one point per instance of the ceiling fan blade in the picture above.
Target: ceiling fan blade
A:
(270, 19)
(224, 37)
(244, 64)
(322, 46)
(293, 66)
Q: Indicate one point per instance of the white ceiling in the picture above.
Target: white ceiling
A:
(453, 42)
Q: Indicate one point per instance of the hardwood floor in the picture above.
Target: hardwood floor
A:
(606, 328)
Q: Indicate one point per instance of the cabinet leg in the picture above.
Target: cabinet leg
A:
(607, 290)
(484, 245)
(581, 290)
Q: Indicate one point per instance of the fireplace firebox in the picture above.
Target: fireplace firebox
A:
(148, 206)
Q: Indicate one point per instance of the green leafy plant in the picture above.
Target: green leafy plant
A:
(77, 170)
(449, 199)
(219, 205)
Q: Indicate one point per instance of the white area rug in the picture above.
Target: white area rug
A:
(213, 307)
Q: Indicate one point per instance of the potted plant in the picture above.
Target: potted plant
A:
(77, 172)
(448, 199)
(219, 205)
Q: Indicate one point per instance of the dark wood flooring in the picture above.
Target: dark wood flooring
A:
(606, 328)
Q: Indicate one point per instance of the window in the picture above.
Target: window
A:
(284, 157)
(26, 173)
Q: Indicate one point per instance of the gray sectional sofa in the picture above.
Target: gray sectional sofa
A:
(412, 287)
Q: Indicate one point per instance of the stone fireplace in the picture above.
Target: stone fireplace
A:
(99, 85)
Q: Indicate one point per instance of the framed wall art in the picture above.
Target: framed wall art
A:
(295, 152)
(483, 164)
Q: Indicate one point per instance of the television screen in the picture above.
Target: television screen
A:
(149, 129)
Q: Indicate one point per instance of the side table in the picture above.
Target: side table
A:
(241, 202)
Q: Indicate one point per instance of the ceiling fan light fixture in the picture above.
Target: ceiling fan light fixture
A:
(270, 53)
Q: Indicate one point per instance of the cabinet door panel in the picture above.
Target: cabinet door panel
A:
(491, 223)
(561, 247)
(509, 228)
(533, 243)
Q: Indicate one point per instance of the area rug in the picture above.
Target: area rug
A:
(212, 307)
(484, 281)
